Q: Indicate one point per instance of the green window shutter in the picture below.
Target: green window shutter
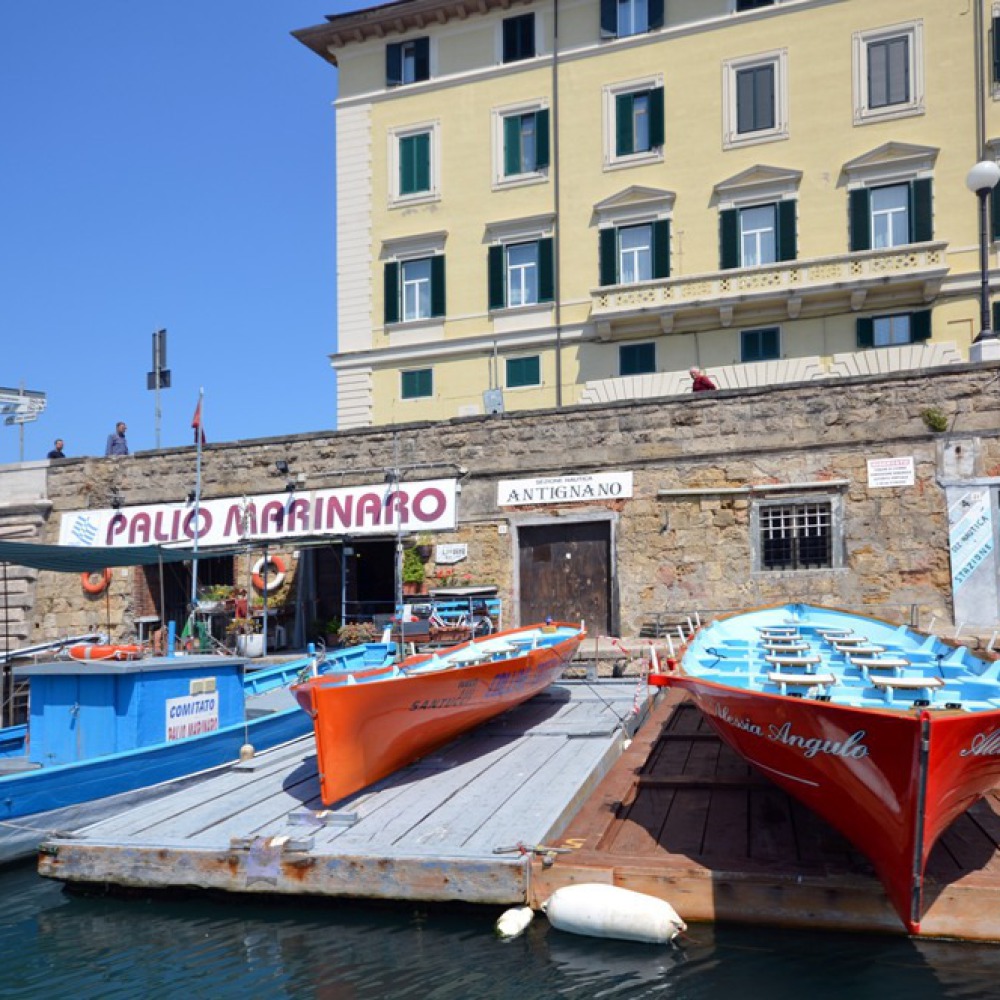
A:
(422, 58)
(624, 131)
(994, 215)
(546, 282)
(393, 64)
(661, 248)
(859, 210)
(920, 326)
(609, 19)
(608, 247)
(422, 153)
(437, 285)
(656, 126)
(729, 238)
(866, 331)
(406, 165)
(787, 245)
(995, 313)
(511, 145)
(655, 15)
(995, 30)
(922, 220)
(497, 289)
(542, 139)
(391, 292)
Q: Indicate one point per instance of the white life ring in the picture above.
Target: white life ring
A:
(274, 580)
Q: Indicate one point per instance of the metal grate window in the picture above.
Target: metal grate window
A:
(796, 536)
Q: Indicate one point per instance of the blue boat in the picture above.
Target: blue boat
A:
(102, 735)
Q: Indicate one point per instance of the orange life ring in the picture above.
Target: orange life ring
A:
(274, 580)
(91, 651)
(98, 586)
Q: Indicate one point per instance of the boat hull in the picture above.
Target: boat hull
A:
(891, 780)
(368, 730)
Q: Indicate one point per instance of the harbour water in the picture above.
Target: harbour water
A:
(56, 944)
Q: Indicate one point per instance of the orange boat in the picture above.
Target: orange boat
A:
(370, 723)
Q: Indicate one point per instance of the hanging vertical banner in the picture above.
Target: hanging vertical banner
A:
(970, 535)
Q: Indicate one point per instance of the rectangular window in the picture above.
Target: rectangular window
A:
(755, 94)
(638, 121)
(416, 384)
(752, 4)
(760, 345)
(891, 216)
(888, 71)
(622, 18)
(414, 289)
(525, 143)
(407, 62)
(758, 235)
(634, 253)
(890, 208)
(795, 536)
(636, 359)
(893, 330)
(520, 274)
(518, 38)
(523, 372)
(414, 163)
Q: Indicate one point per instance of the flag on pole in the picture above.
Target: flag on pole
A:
(196, 423)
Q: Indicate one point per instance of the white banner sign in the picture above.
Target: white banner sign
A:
(970, 534)
(890, 472)
(352, 510)
(192, 715)
(565, 489)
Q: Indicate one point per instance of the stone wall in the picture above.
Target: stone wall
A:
(683, 541)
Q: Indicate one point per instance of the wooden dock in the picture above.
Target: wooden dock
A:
(682, 817)
(446, 828)
(676, 814)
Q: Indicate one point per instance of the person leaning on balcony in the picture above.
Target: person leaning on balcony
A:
(700, 382)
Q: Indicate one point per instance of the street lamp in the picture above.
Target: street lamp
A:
(981, 180)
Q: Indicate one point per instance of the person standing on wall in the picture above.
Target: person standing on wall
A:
(57, 451)
(117, 445)
(700, 382)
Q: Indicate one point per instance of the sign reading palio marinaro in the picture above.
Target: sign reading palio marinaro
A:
(565, 489)
(427, 505)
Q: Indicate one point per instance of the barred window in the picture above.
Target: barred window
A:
(796, 536)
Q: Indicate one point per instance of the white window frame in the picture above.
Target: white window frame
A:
(524, 271)
(638, 255)
(759, 262)
(914, 31)
(526, 386)
(618, 24)
(499, 116)
(733, 139)
(396, 199)
(896, 322)
(612, 161)
(422, 287)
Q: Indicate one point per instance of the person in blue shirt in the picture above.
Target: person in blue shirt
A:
(117, 445)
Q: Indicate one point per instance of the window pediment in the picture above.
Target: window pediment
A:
(890, 161)
(634, 203)
(421, 244)
(757, 183)
(526, 228)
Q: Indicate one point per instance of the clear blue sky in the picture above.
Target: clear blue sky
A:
(166, 164)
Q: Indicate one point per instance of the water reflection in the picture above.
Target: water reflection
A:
(57, 945)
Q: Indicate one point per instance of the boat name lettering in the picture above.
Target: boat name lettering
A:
(812, 745)
(465, 692)
(748, 725)
(503, 684)
(983, 745)
(191, 708)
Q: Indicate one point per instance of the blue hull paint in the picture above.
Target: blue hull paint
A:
(36, 802)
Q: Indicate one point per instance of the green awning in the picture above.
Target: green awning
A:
(86, 558)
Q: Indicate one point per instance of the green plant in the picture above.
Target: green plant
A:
(355, 633)
(413, 567)
(935, 419)
(216, 592)
(241, 626)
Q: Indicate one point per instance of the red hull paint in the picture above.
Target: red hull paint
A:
(859, 768)
(368, 730)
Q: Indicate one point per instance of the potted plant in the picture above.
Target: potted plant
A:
(356, 633)
(413, 572)
(424, 548)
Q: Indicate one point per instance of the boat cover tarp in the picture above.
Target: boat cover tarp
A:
(86, 559)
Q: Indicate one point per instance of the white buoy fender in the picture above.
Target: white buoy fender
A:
(514, 922)
(612, 912)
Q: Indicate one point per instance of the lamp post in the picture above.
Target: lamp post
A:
(981, 180)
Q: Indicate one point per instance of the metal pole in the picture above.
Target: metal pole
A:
(985, 325)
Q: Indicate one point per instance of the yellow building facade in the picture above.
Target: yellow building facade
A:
(551, 203)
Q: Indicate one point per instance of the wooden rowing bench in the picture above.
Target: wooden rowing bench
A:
(847, 640)
(786, 660)
(779, 646)
(897, 664)
(779, 632)
(890, 685)
(784, 681)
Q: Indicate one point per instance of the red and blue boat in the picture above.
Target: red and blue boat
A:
(886, 733)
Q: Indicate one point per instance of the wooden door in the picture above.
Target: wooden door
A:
(565, 572)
